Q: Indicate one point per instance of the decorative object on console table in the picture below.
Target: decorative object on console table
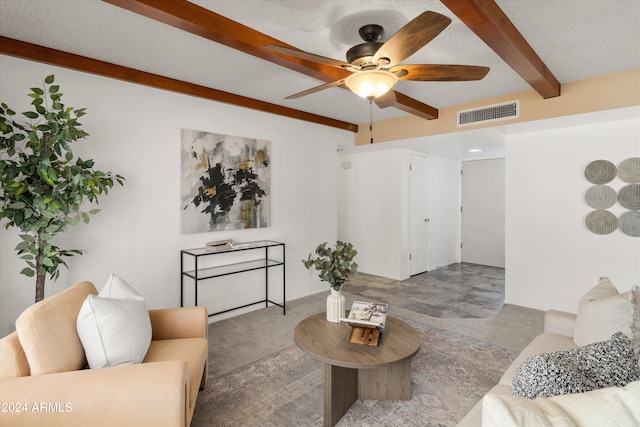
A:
(220, 245)
(366, 319)
(334, 266)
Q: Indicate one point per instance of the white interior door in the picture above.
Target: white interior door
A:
(418, 214)
(483, 212)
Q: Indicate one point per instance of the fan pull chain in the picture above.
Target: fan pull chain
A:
(371, 121)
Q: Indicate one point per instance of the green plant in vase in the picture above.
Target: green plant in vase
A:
(335, 265)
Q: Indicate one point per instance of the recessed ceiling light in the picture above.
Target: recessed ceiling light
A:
(475, 150)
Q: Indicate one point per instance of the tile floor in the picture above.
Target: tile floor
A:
(458, 291)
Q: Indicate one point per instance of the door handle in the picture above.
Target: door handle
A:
(426, 220)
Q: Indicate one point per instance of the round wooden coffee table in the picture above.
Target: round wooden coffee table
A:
(355, 371)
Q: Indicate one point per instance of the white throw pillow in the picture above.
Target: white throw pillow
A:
(603, 311)
(611, 406)
(116, 287)
(114, 327)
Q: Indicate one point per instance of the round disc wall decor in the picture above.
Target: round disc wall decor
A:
(601, 222)
(600, 197)
(629, 196)
(600, 171)
(630, 223)
(629, 170)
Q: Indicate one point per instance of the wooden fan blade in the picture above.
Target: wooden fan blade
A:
(386, 100)
(439, 72)
(316, 89)
(307, 56)
(412, 37)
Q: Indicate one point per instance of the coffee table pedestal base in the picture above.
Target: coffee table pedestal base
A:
(340, 392)
(343, 386)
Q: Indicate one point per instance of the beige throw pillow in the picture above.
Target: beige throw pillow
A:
(603, 311)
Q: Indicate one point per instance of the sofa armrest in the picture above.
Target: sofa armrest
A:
(149, 394)
(179, 322)
(559, 322)
(13, 362)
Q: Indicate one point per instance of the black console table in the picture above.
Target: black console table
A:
(259, 257)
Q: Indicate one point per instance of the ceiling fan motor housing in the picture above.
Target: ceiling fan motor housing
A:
(371, 32)
(361, 54)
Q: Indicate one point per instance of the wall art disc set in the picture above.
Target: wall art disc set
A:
(601, 196)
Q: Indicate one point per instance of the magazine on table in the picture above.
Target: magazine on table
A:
(367, 314)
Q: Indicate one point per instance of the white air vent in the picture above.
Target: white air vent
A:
(490, 113)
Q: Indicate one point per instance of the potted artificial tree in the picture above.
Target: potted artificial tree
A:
(335, 265)
(44, 187)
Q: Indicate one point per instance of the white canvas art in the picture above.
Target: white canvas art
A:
(225, 182)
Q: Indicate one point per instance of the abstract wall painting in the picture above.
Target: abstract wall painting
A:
(225, 182)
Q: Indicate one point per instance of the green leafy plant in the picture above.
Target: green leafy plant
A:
(334, 265)
(44, 187)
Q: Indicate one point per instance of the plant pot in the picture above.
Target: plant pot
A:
(335, 306)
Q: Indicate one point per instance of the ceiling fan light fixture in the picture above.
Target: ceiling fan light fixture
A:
(371, 84)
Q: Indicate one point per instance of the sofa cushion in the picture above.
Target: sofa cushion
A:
(611, 363)
(611, 406)
(114, 327)
(47, 331)
(144, 395)
(193, 351)
(603, 311)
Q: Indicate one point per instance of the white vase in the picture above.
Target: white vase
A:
(335, 306)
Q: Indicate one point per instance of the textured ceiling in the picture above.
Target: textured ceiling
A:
(576, 39)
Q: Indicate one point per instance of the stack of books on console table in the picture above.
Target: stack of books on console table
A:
(220, 245)
(367, 320)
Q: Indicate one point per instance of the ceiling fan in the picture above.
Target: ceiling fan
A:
(376, 65)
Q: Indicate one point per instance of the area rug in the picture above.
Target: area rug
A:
(450, 374)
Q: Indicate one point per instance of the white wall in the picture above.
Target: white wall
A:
(483, 212)
(552, 259)
(373, 209)
(135, 131)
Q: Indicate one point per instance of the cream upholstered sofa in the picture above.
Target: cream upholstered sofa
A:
(557, 335)
(44, 378)
(602, 311)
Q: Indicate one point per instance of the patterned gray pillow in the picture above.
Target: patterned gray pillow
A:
(610, 363)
